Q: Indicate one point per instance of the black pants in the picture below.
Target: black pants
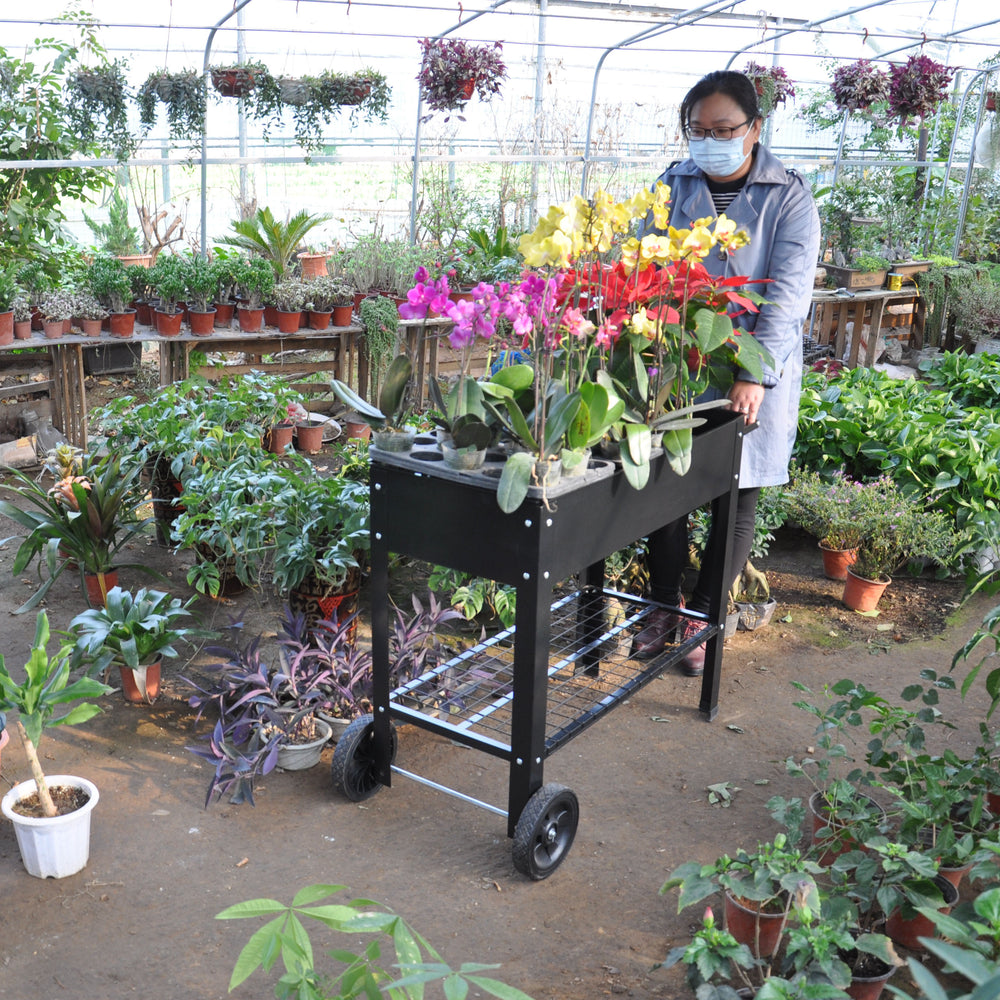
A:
(668, 555)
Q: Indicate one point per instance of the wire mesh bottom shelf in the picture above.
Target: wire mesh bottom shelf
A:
(589, 669)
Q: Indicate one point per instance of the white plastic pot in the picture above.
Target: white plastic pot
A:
(57, 846)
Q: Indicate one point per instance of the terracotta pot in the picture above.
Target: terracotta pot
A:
(357, 429)
(861, 594)
(317, 605)
(760, 932)
(313, 265)
(53, 328)
(233, 82)
(342, 315)
(4, 740)
(169, 324)
(906, 931)
(955, 875)
(251, 320)
(224, 314)
(202, 323)
(319, 320)
(837, 561)
(836, 836)
(869, 987)
(91, 327)
(270, 316)
(7, 327)
(143, 313)
(139, 259)
(67, 327)
(22, 329)
(466, 88)
(288, 322)
(98, 585)
(309, 437)
(278, 438)
(138, 689)
(122, 324)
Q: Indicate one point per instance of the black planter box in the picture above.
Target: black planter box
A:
(103, 359)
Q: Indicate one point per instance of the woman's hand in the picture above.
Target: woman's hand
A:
(745, 398)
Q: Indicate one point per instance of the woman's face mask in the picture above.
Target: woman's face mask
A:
(718, 157)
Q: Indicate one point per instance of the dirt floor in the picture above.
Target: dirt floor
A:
(139, 919)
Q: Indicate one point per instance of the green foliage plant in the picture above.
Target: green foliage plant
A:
(272, 239)
(97, 106)
(116, 236)
(285, 938)
(169, 277)
(201, 281)
(255, 280)
(393, 406)
(186, 99)
(380, 320)
(39, 696)
(109, 283)
(8, 287)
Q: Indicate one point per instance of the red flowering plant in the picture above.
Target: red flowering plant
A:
(917, 87)
(618, 347)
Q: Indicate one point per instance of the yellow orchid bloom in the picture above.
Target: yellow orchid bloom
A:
(643, 324)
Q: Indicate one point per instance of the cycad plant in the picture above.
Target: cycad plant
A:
(272, 239)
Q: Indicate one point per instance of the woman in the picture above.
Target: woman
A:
(730, 172)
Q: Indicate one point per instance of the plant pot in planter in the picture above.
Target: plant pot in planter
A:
(309, 436)
(53, 328)
(143, 313)
(138, 259)
(278, 438)
(91, 327)
(861, 594)
(141, 686)
(313, 265)
(827, 829)
(837, 561)
(319, 320)
(464, 459)
(341, 315)
(97, 586)
(7, 327)
(754, 616)
(224, 314)
(288, 322)
(235, 82)
(251, 320)
(355, 427)
(316, 604)
(397, 441)
(270, 316)
(202, 323)
(122, 324)
(869, 983)
(760, 932)
(906, 930)
(299, 756)
(169, 324)
(22, 329)
(56, 846)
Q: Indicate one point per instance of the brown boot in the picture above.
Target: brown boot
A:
(692, 665)
(656, 636)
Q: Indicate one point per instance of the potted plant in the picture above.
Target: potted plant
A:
(288, 297)
(859, 85)
(452, 70)
(169, 278)
(97, 100)
(54, 840)
(91, 313)
(464, 433)
(322, 296)
(117, 236)
(21, 310)
(273, 240)
(85, 519)
(134, 632)
(57, 311)
(226, 266)
(110, 285)
(201, 280)
(255, 280)
(186, 99)
(772, 85)
(388, 420)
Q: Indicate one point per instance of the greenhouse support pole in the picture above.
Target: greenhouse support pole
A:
(543, 12)
(420, 108)
(237, 7)
(241, 118)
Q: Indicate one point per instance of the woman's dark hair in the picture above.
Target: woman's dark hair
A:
(723, 81)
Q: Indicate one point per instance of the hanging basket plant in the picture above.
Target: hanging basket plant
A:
(253, 84)
(316, 100)
(97, 107)
(185, 97)
(234, 81)
(772, 85)
(917, 88)
(453, 70)
(858, 86)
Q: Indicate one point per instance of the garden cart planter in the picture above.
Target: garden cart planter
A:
(526, 692)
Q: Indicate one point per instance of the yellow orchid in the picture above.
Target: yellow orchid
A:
(642, 323)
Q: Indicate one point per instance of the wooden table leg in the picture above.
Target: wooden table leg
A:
(69, 402)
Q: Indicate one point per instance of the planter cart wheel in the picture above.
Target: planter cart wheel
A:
(545, 831)
(354, 766)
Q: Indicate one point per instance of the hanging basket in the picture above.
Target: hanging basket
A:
(234, 81)
(294, 92)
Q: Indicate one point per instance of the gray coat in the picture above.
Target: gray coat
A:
(776, 208)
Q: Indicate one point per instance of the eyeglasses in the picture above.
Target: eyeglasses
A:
(694, 134)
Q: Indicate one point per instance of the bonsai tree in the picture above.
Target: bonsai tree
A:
(452, 70)
(46, 686)
(255, 279)
(272, 239)
(169, 277)
(201, 284)
(109, 282)
(116, 236)
(97, 107)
